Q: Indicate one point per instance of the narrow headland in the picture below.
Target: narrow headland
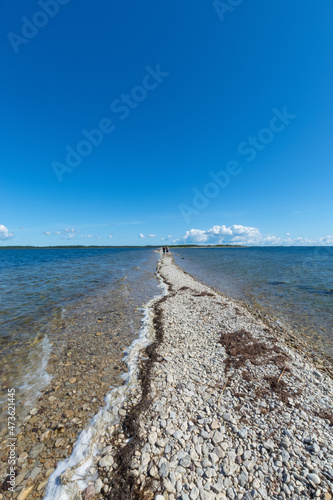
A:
(227, 407)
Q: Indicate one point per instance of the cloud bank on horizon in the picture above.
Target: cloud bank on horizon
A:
(235, 234)
(67, 233)
(245, 235)
(148, 235)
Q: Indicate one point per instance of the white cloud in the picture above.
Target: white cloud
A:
(110, 236)
(245, 235)
(152, 235)
(4, 233)
(67, 233)
(141, 235)
(89, 236)
(167, 237)
(196, 236)
(326, 240)
(217, 235)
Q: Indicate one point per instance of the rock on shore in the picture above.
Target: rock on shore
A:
(234, 413)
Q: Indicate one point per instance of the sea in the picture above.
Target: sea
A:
(294, 285)
(41, 289)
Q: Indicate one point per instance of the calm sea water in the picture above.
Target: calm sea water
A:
(294, 284)
(37, 283)
(39, 286)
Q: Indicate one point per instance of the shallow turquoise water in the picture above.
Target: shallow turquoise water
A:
(38, 285)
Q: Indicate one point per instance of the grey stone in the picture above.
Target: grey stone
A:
(214, 458)
(218, 486)
(98, 485)
(178, 435)
(242, 433)
(314, 478)
(231, 493)
(243, 478)
(185, 461)
(262, 491)
(210, 472)
(249, 465)
(285, 456)
(194, 493)
(36, 450)
(269, 445)
(152, 438)
(106, 461)
(168, 485)
(164, 470)
(34, 473)
(285, 442)
(217, 437)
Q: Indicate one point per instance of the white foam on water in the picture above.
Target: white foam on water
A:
(87, 445)
(37, 377)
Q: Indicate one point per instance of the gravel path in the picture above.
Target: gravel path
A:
(222, 423)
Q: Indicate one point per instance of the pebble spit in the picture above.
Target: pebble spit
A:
(235, 413)
(225, 409)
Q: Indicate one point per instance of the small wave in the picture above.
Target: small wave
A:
(37, 378)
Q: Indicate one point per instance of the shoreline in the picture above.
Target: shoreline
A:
(73, 475)
(295, 336)
(295, 340)
(169, 414)
(234, 413)
(89, 342)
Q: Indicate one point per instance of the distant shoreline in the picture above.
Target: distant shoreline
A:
(79, 247)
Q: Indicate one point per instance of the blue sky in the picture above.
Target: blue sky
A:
(189, 121)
